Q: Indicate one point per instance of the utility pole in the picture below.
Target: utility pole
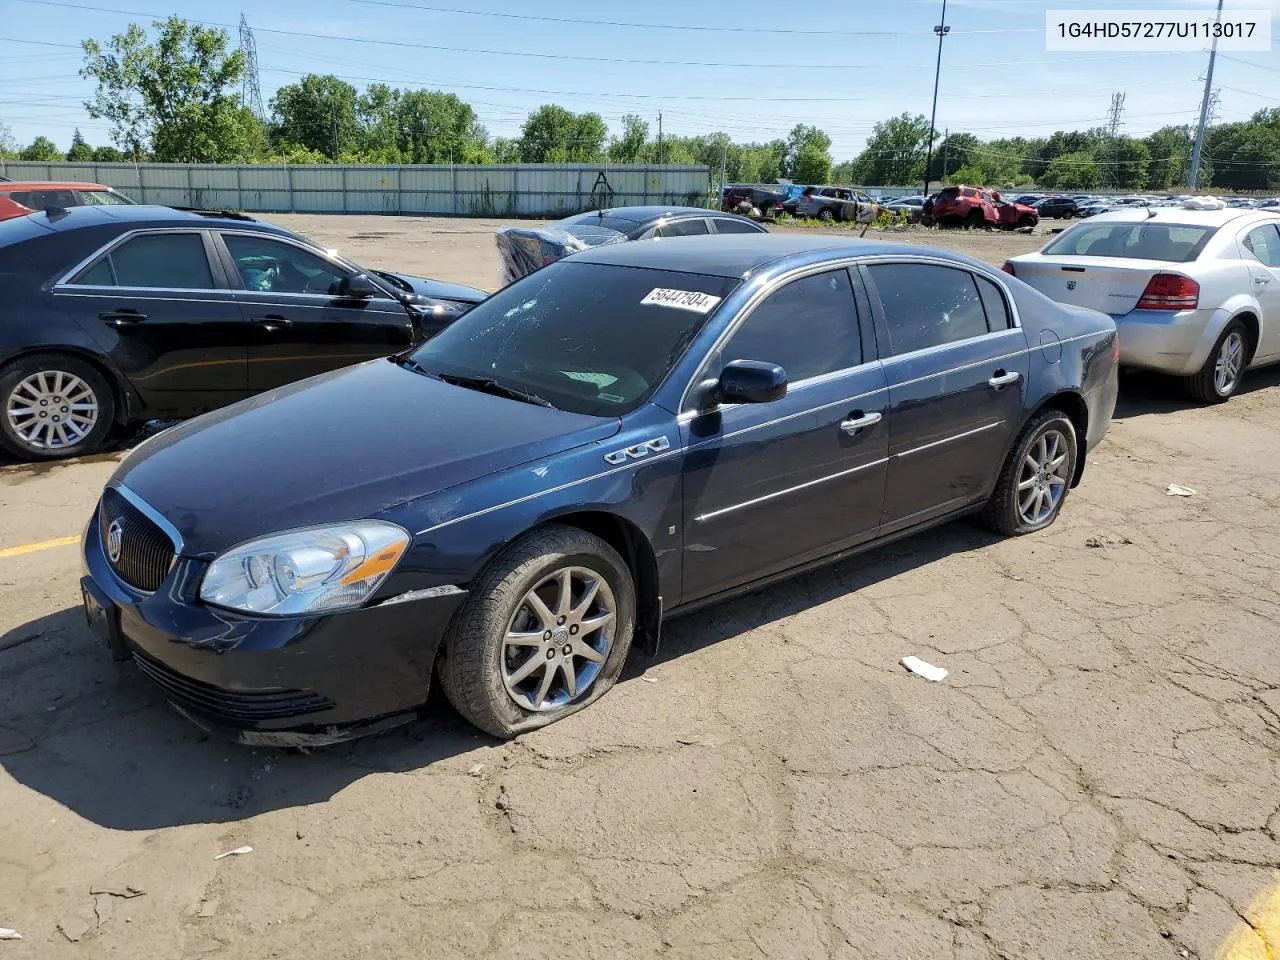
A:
(724, 160)
(941, 30)
(946, 155)
(1194, 176)
(659, 136)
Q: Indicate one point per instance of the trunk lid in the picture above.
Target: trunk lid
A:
(1106, 284)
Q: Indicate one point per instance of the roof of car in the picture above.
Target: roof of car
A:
(140, 215)
(733, 255)
(644, 214)
(7, 185)
(1181, 215)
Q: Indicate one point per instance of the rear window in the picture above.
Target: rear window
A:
(621, 224)
(1170, 242)
(950, 193)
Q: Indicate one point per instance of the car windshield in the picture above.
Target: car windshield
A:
(1171, 242)
(589, 338)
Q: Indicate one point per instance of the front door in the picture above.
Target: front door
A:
(956, 369)
(769, 486)
(156, 303)
(1264, 269)
(301, 326)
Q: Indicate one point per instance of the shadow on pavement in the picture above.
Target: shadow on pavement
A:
(1143, 393)
(97, 738)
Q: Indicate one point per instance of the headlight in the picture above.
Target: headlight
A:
(306, 571)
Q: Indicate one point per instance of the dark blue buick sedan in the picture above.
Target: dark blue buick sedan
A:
(629, 433)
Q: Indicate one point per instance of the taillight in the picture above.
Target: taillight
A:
(1008, 268)
(1170, 291)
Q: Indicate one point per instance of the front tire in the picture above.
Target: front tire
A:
(1219, 378)
(54, 406)
(543, 633)
(1034, 481)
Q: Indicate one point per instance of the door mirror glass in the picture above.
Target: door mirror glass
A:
(358, 287)
(750, 381)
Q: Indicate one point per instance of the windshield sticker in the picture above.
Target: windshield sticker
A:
(681, 300)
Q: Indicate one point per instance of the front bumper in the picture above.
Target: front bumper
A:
(252, 676)
(1168, 341)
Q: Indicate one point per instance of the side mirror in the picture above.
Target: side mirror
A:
(749, 381)
(358, 287)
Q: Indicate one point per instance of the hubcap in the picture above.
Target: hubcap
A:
(52, 410)
(558, 639)
(1042, 477)
(1226, 370)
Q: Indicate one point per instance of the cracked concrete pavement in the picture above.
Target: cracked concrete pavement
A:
(1097, 777)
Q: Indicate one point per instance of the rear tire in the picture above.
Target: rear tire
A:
(54, 406)
(1219, 378)
(974, 220)
(1028, 497)
(481, 669)
(827, 215)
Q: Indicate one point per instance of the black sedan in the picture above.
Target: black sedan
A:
(523, 250)
(627, 434)
(120, 314)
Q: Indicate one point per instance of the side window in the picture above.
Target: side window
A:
(271, 266)
(927, 305)
(725, 225)
(1264, 243)
(173, 261)
(683, 228)
(994, 303)
(809, 328)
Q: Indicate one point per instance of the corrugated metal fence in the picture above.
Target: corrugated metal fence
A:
(509, 190)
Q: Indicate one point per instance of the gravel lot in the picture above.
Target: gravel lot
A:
(1097, 778)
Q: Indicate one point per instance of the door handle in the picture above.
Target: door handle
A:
(273, 322)
(122, 318)
(1261, 281)
(1002, 379)
(858, 420)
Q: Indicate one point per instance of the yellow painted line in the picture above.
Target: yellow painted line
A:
(37, 547)
(1259, 939)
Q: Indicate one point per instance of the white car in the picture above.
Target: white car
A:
(1194, 293)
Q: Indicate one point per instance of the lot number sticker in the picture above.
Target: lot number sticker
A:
(681, 300)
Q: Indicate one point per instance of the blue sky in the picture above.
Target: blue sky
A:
(997, 79)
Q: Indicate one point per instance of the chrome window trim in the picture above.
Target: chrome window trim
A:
(782, 493)
(152, 514)
(223, 295)
(65, 280)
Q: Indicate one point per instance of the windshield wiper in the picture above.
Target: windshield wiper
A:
(405, 360)
(489, 385)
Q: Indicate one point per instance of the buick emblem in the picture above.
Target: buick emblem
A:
(115, 540)
(1071, 284)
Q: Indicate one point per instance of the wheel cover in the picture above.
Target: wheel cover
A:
(1230, 361)
(1042, 477)
(558, 639)
(52, 410)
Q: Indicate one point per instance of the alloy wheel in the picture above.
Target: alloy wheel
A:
(1226, 369)
(558, 639)
(1042, 477)
(52, 410)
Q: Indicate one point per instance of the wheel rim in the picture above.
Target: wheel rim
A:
(1042, 477)
(52, 410)
(558, 639)
(1226, 369)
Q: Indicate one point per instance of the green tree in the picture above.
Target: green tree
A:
(1130, 159)
(1246, 156)
(805, 141)
(436, 127)
(176, 94)
(296, 154)
(506, 150)
(1072, 171)
(318, 113)
(895, 152)
(843, 171)
(1170, 152)
(42, 149)
(954, 152)
(553, 134)
(633, 145)
(8, 145)
(967, 175)
(107, 155)
(812, 166)
(80, 151)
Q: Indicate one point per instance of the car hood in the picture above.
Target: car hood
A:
(439, 289)
(345, 445)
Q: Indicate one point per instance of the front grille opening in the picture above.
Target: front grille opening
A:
(146, 552)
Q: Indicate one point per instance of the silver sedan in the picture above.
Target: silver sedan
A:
(1194, 293)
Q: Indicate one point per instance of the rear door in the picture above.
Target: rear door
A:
(1262, 243)
(956, 368)
(300, 325)
(157, 302)
(769, 486)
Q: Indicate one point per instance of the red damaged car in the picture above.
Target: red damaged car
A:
(980, 207)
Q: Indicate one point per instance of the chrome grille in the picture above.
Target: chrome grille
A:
(146, 551)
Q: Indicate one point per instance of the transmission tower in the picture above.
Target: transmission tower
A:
(1111, 155)
(250, 91)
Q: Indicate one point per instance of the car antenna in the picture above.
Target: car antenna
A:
(1151, 212)
(55, 213)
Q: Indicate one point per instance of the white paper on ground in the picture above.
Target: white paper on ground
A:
(1175, 490)
(922, 669)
